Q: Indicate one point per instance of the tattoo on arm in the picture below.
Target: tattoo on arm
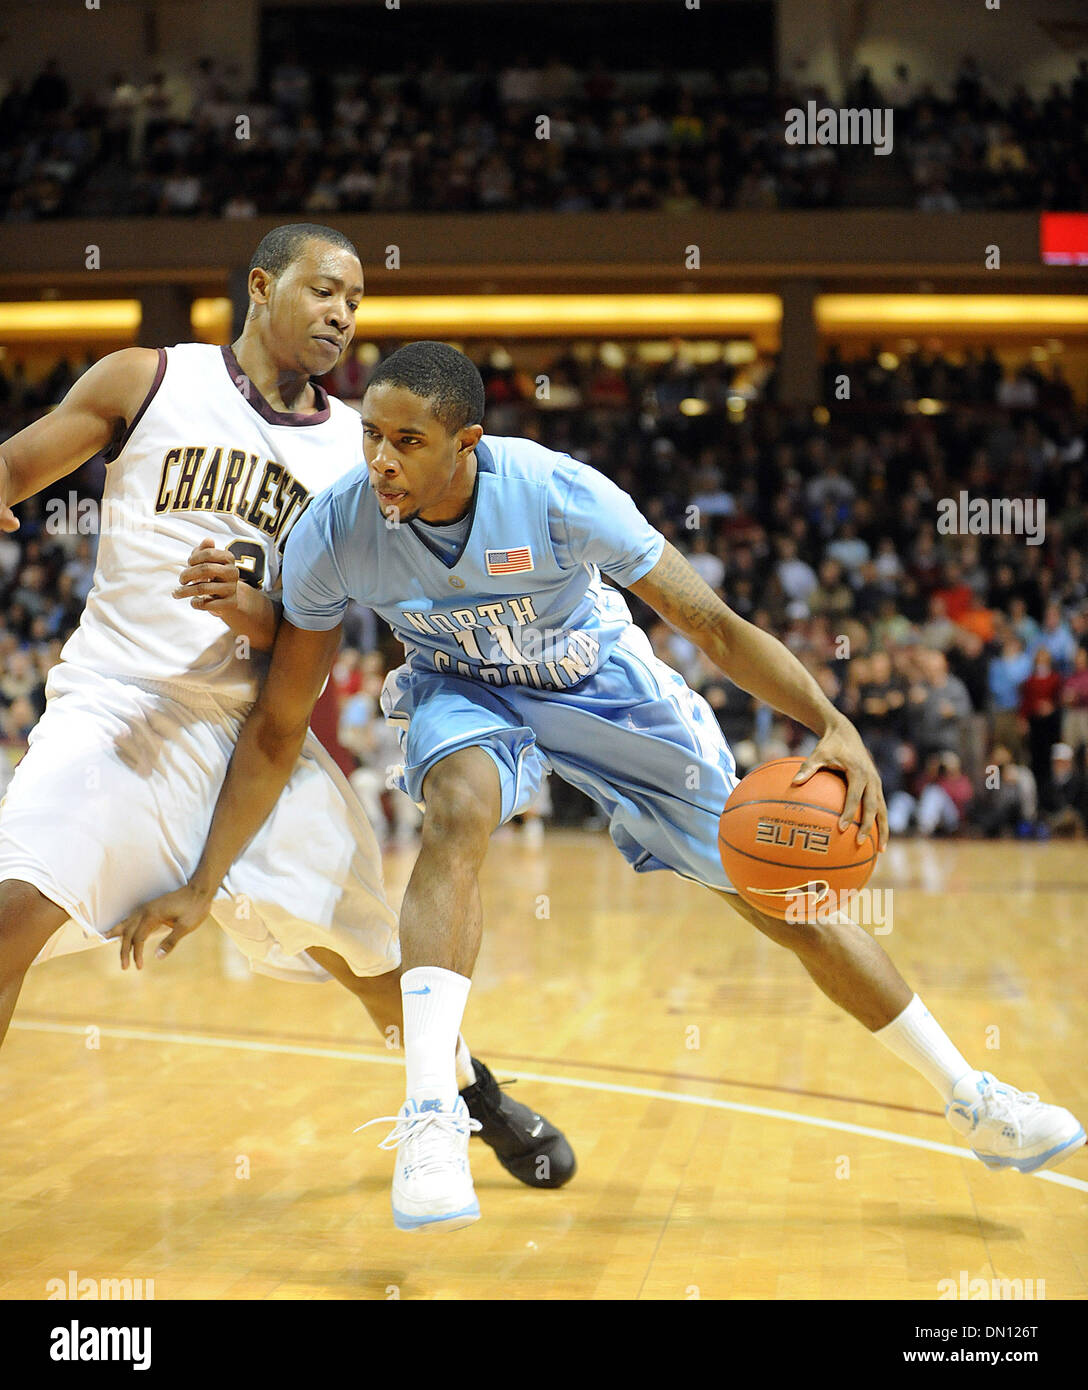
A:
(673, 589)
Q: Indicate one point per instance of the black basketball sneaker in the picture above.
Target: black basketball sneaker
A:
(525, 1143)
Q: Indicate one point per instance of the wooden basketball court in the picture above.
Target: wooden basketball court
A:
(737, 1136)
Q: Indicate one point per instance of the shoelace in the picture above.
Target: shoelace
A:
(424, 1125)
(1003, 1105)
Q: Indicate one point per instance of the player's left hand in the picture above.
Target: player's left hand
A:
(841, 748)
(210, 580)
(183, 911)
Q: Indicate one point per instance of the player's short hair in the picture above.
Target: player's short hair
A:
(445, 378)
(282, 245)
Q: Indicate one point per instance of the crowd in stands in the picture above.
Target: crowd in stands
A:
(442, 138)
(970, 151)
(962, 658)
(888, 378)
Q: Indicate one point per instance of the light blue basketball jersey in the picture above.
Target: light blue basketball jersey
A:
(516, 646)
(522, 604)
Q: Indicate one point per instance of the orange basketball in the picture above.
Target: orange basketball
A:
(781, 846)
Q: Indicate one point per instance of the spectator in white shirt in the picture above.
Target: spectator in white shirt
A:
(798, 579)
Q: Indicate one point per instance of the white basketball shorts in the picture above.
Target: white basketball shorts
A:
(112, 803)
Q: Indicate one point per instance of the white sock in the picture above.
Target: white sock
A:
(434, 1003)
(466, 1072)
(918, 1039)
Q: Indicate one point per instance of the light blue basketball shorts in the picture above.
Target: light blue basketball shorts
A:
(633, 737)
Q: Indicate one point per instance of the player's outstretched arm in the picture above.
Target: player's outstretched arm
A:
(263, 760)
(767, 669)
(95, 412)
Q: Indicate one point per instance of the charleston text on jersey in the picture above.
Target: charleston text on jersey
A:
(197, 478)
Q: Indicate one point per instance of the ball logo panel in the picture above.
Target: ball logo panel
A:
(777, 832)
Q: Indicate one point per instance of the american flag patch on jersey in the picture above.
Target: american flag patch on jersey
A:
(508, 561)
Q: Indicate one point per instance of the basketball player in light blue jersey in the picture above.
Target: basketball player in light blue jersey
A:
(486, 556)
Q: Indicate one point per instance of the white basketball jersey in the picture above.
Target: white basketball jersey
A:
(205, 456)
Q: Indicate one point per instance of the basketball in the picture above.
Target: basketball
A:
(782, 847)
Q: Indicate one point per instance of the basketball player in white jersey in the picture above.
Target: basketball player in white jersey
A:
(213, 455)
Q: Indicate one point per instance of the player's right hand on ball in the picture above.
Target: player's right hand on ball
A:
(182, 911)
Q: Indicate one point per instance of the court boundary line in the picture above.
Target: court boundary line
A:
(609, 1087)
(513, 1059)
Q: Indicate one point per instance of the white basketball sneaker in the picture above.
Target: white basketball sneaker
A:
(432, 1184)
(1007, 1128)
